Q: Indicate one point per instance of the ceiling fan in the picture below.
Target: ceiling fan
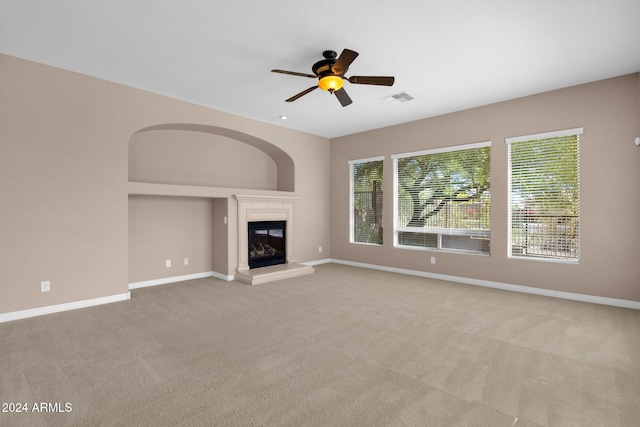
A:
(330, 73)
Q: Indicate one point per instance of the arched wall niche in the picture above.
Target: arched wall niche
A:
(278, 171)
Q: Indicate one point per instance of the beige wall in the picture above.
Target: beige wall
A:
(65, 205)
(608, 110)
(64, 180)
(169, 228)
(198, 158)
(222, 263)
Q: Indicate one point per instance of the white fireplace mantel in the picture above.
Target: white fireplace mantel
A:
(267, 208)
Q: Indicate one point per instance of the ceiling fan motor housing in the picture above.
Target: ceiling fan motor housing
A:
(323, 68)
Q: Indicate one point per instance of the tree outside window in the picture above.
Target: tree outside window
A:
(366, 201)
(443, 198)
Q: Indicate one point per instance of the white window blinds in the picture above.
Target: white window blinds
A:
(442, 198)
(544, 195)
(366, 200)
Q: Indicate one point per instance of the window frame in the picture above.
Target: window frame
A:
(533, 137)
(352, 164)
(439, 232)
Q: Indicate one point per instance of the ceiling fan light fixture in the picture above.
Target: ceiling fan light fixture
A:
(331, 83)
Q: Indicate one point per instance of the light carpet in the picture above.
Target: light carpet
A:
(342, 347)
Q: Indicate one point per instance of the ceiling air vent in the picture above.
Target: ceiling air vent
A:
(398, 98)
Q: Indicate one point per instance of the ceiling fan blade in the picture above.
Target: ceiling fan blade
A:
(293, 73)
(343, 97)
(372, 80)
(344, 60)
(303, 93)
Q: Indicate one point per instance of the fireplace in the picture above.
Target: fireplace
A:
(267, 243)
(269, 210)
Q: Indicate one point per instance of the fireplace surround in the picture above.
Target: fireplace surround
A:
(252, 208)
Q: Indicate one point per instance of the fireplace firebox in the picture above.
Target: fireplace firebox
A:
(267, 243)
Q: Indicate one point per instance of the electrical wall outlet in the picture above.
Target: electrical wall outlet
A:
(319, 249)
(167, 263)
(186, 261)
(433, 260)
(45, 286)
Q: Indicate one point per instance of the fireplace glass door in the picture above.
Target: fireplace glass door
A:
(267, 243)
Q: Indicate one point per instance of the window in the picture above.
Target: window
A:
(544, 195)
(366, 200)
(442, 199)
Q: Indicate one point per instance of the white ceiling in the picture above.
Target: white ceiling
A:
(449, 55)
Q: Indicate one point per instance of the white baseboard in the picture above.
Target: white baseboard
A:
(23, 314)
(317, 262)
(174, 279)
(498, 285)
(222, 276)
